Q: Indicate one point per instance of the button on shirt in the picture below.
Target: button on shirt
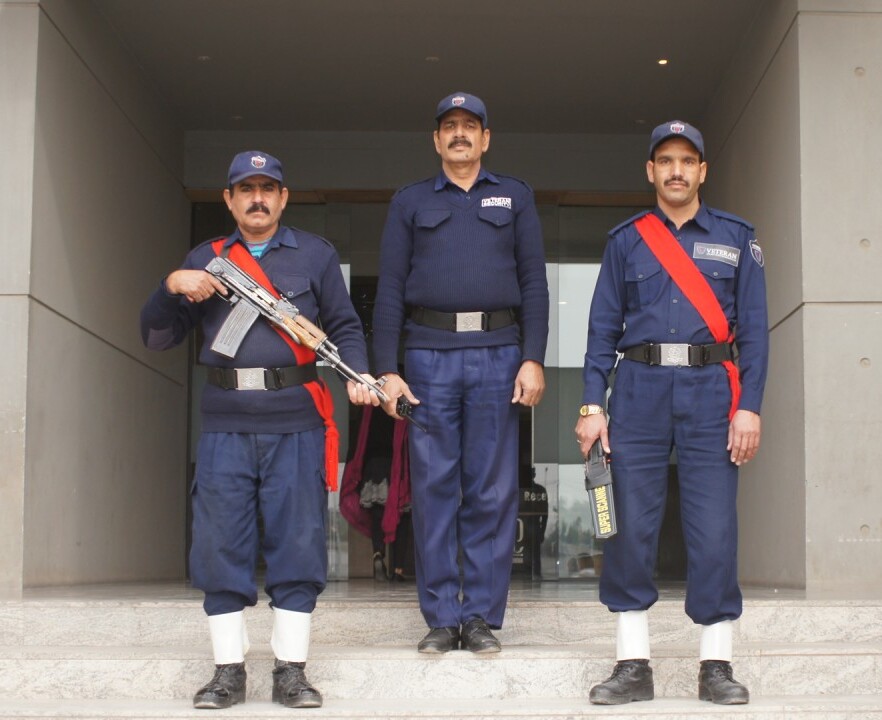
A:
(637, 302)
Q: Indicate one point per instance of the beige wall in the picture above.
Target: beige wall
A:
(794, 138)
(97, 494)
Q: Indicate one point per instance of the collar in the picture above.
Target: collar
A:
(283, 236)
(701, 218)
(442, 181)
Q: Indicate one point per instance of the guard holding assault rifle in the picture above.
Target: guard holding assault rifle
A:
(681, 289)
(268, 441)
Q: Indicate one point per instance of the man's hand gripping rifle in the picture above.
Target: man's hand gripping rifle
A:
(250, 299)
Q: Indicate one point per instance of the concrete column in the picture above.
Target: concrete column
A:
(18, 74)
(840, 80)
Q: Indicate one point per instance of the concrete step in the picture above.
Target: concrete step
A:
(384, 673)
(371, 623)
(830, 707)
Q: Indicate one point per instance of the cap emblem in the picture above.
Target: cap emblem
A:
(677, 128)
(457, 101)
(258, 162)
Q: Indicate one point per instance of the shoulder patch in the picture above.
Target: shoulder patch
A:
(629, 221)
(756, 252)
(730, 216)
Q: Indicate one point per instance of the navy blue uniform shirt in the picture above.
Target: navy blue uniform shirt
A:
(636, 301)
(452, 250)
(306, 269)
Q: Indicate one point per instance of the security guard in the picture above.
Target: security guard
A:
(263, 438)
(678, 287)
(462, 276)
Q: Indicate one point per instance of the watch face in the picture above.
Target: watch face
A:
(583, 411)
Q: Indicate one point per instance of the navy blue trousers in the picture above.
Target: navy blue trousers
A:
(282, 476)
(464, 480)
(654, 409)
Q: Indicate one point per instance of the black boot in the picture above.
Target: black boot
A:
(631, 680)
(291, 688)
(715, 683)
(225, 689)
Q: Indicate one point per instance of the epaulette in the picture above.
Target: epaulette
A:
(515, 179)
(629, 221)
(414, 184)
(730, 216)
(210, 241)
(302, 234)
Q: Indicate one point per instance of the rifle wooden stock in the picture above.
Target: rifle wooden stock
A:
(305, 332)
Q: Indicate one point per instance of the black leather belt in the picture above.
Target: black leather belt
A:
(261, 378)
(679, 354)
(463, 321)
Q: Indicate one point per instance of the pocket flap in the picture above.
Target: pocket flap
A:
(638, 272)
(431, 218)
(292, 285)
(498, 216)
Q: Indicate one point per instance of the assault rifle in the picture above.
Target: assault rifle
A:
(598, 483)
(250, 300)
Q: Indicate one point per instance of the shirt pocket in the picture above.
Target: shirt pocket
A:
(496, 216)
(644, 283)
(297, 290)
(721, 278)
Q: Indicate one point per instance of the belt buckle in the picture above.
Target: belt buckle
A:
(469, 321)
(250, 379)
(674, 354)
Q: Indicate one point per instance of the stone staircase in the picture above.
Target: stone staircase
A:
(125, 653)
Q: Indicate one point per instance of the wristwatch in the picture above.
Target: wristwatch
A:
(586, 410)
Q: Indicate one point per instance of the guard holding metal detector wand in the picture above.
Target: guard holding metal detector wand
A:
(250, 299)
(679, 312)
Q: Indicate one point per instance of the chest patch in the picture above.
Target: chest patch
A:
(723, 253)
(496, 202)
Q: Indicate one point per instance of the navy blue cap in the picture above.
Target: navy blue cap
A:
(253, 162)
(676, 128)
(462, 101)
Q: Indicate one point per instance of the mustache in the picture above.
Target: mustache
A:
(459, 141)
(677, 179)
(257, 208)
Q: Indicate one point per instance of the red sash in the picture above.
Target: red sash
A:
(688, 278)
(320, 393)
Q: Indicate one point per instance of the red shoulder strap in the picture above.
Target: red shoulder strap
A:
(319, 391)
(687, 277)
